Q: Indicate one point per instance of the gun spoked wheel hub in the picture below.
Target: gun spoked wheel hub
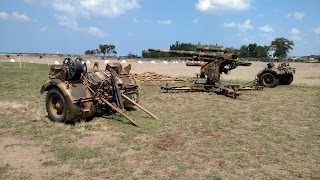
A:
(75, 68)
(56, 105)
(68, 62)
(269, 80)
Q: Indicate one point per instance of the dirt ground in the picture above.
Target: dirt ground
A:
(306, 73)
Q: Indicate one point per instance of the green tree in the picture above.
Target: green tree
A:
(262, 52)
(97, 51)
(130, 55)
(109, 49)
(252, 50)
(103, 49)
(87, 52)
(233, 49)
(244, 51)
(281, 46)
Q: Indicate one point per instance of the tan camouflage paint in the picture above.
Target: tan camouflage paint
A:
(78, 98)
(281, 70)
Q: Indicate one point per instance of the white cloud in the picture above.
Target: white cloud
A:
(15, 16)
(94, 8)
(295, 34)
(131, 34)
(242, 27)
(135, 20)
(4, 15)
(67, 22)
(195, 21)
(245, 26)
(266, 28)
(289, 15)
(296, 15)
(63, 6)
(44, 29)
(230, 25)
(96, 32)
(21, 17)
(294, 31)
(222, 6)
(165, 22)
(317, 30)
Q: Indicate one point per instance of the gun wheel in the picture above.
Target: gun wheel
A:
(268, 80)
(56, 105)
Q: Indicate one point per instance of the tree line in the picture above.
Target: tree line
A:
(103, 49)
(280, 46)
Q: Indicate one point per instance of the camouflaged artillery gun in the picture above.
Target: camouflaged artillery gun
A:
(273, 76)
(213, 62)
(74, 93)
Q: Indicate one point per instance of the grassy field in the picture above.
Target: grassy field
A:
(269, 134)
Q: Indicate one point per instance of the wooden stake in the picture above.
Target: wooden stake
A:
(120, 112)
(142, 108)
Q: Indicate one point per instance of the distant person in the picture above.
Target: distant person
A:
(96, 64)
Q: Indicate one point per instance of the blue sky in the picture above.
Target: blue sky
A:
(73, 26)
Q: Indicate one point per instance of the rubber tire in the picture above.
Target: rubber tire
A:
(52, 117)
(289, 79)
(274, 83)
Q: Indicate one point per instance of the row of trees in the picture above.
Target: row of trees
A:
(280, 46)
(254, 51)
(103, 49)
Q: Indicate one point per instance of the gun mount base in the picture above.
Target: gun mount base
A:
(224, 89)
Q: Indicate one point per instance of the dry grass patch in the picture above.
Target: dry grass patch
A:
(269, 134)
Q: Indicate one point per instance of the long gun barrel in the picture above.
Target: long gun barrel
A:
(214, 49)
(189, 53)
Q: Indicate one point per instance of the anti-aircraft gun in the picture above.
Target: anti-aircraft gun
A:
(74, 93)
(213, 62)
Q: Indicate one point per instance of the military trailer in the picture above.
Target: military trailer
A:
(273, 76)
(73, 93)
